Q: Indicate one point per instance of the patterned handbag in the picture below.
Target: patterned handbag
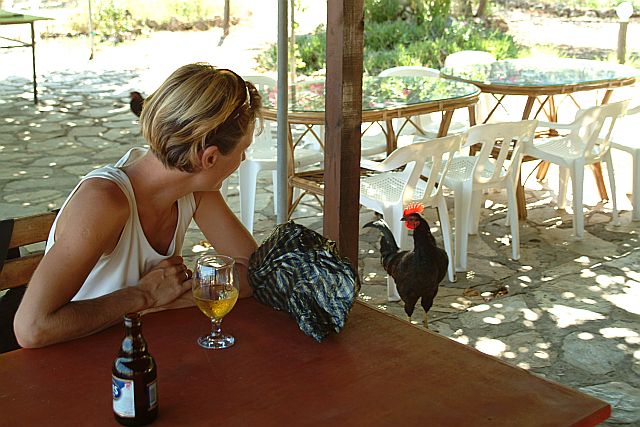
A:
(299, 271)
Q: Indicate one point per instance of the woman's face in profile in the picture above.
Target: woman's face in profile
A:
(231, 161)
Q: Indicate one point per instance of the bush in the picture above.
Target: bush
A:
(310, 53)
(434, 42)
(117, 20)
(113, 21)
(381, 10)
(388, 35)
(418, 11)
(400, 41)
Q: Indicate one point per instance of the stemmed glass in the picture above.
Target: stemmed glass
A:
(215, 290)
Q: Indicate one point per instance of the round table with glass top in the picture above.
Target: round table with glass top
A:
(383, 100)
(535, 77)
(540, 79)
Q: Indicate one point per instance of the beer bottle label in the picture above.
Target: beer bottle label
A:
(123, 401)
(152, 392)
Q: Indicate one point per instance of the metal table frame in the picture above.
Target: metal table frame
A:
(10, 18)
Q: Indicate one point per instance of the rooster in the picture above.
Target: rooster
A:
(417, 273)
(136, 102)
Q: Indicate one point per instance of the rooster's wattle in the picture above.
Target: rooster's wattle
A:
(417, 273)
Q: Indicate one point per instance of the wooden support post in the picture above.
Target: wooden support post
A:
(343, 106)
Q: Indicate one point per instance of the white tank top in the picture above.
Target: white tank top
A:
(133, 256)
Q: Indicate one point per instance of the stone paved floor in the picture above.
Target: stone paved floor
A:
(568, 310)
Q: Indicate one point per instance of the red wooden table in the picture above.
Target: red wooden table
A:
(378, 371)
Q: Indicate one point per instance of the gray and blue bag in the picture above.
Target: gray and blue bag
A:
(299, 271)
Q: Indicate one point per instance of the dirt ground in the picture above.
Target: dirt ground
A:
(586, 37)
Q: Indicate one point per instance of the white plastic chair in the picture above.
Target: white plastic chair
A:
(467, 57)
(495, 165)
(424, 124)
(625, 137)
(588, 142)
(410, 71)
(262, 155)
(389, 191)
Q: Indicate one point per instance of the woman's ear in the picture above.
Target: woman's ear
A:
(209, 157)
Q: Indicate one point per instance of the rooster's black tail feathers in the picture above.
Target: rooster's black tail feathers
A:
(388, 245)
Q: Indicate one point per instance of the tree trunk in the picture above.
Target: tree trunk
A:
(226, 24)
(482, 9)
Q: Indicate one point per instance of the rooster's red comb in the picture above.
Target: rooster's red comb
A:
(413, 208)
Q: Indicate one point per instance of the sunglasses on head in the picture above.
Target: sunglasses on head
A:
(247, 95)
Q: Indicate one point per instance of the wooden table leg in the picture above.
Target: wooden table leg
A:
(596, 168)
(528, 107)
(520, 197)
(607, 96)
(553, 117)
(553, 111)
(542, 170)
(444, 124)
(392, 142)
(472, 115)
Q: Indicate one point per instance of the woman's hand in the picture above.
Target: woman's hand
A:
(166, 282)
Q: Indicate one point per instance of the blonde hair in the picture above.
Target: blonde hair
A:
(196, 107)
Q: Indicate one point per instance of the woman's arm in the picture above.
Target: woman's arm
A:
(225, 233)
(88, 227)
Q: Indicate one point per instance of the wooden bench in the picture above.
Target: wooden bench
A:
(16, 269)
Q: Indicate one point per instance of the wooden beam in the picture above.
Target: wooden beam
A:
(343, 106)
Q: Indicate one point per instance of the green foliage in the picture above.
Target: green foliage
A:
(381, 10)
(113, 20)
(417, 11)
(397, 41)
(389, 35)
(436, 9)
(183, 10)
(310, 53)
(119, 19)
(187, 10)
(432, 42)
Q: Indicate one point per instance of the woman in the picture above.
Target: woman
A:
(115, 245)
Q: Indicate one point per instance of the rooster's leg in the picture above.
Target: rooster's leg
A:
(426, 320)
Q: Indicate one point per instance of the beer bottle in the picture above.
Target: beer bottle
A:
(135, 395)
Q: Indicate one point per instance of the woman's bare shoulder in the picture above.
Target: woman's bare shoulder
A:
(97, 202)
